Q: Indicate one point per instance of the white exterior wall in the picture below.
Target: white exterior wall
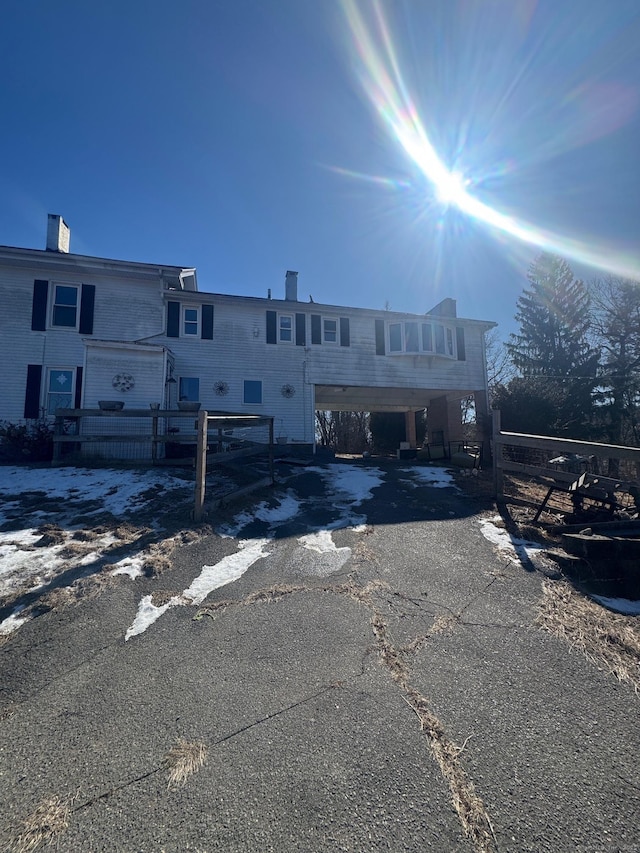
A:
(234, 355)
(124, 310)
(239, 351)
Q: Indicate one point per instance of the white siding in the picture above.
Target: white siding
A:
(124, 310)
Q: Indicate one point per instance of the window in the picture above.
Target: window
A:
(285, 328)
(65, 306)
(413, 337)
(427, 337)
(191, 321)
(59, 390)
(189, 389)
(330, 331)
(395, 337)
(253, 392)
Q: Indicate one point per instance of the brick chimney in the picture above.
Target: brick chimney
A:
(58, 234)
(291, 286)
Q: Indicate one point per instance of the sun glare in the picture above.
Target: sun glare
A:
(380, 73)
(450, 189)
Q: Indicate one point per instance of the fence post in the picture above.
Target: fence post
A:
(201, 465)
(271, 471)
(498, 474)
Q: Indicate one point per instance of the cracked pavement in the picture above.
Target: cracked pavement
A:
(393, 694)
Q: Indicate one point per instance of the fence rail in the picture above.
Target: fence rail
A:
(211, 438)
(531, 455)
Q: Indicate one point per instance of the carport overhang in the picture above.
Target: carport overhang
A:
(356, 398)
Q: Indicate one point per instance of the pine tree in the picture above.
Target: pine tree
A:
(617, 330)
(553, 343)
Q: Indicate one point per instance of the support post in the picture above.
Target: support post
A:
(498, 474)
(410, 428)
(201, 466)
(154, 437)
(271, 471)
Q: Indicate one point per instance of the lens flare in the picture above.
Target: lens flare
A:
(379, 70)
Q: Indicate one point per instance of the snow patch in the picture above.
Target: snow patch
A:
(286, 508)
(226, 571)
(229, 569)
(356, 484)
(322, 543)
(147, 614)
(13, 622)
(503, 540)
(436, 478)
(619, 605)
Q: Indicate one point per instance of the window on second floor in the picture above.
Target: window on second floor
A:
(64, 308)
(329, 331)
(285, 328)
(413, 337)
(191, 321)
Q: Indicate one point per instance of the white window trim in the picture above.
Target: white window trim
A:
(52, 303)
(51, 370)
(337, 322)
(261, 403)
(183, 309)
(421, 351)
(293, 329)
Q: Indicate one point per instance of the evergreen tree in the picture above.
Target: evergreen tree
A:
(553, 343)
(617, 329)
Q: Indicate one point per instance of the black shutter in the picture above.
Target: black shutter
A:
(380, 348)
(87, 303)
(77, 400)
(301, 330)
(316, 329)
(272, 337)
(207, 322)
(344, 332)
(32, 393)
(39, 305)
(462, 355)
(173, 319)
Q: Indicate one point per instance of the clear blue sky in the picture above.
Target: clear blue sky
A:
(248, 137)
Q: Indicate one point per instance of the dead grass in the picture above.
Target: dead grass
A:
(390, 657)
(46, 823)
(468, 805)
(159, 597)
(274, 593)
(609, 640)
(155, 565)
(214, 608)
(183, 760)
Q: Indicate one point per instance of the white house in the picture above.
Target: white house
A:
(80, 329)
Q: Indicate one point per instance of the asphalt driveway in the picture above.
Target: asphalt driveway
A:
(346, 664)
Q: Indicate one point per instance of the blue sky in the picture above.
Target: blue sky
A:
(248, 137)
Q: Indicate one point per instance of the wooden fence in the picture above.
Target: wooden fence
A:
(546, 448)
(221, 422)
(146, 434)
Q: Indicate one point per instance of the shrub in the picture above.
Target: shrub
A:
(28, 442)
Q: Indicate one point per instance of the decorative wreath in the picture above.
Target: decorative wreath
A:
(287, 390)
(123, 382)
(221, 388)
